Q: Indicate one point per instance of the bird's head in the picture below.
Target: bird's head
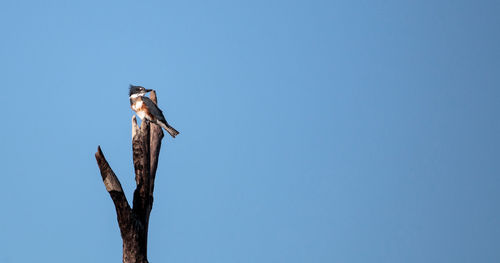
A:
(137, 91)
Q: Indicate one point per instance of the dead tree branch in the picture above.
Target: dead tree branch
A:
(133, 222)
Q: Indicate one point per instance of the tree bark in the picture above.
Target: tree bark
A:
(133, 222)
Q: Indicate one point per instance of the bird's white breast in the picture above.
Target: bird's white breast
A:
(137, 105)
(141, 114)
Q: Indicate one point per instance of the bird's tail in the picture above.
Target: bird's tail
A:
(173, 132)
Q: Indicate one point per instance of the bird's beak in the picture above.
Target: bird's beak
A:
(149, 90)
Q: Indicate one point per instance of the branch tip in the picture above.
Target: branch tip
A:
(152, 96)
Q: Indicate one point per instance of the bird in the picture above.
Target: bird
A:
(147, 109)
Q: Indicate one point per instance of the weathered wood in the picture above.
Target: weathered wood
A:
(156, 135)
(114, 189)
(134, 222)
(140, 149)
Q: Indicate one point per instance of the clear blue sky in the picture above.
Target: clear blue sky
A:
(311, 131)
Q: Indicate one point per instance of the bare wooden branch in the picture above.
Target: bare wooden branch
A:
(115, 190)
(152, 96)
(108, 176)
(156, 135)
(140, 149)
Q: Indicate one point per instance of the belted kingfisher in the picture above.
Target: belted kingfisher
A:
(146, 108)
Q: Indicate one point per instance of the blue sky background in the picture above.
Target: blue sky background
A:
(311, 131)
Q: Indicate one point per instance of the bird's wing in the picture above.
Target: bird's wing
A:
(153, 109)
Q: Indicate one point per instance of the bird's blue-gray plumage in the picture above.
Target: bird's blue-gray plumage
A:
(153, 109)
